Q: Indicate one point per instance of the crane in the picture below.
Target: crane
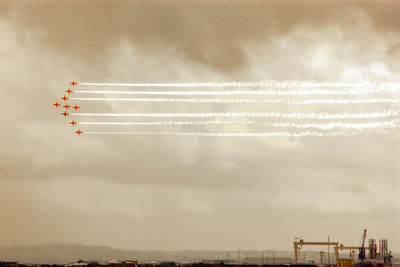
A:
(361, 254)
(298, 244)
(351, 249)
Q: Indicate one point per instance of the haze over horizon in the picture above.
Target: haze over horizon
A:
(192, 193)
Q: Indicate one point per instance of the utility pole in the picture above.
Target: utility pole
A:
(262, 257)
(273, 257)
(329, 253)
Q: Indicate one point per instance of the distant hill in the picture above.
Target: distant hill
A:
(61, 254)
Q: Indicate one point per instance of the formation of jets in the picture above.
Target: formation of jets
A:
(67, 106)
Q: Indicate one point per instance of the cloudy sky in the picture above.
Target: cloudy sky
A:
(174, 192)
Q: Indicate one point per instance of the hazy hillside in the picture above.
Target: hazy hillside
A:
(62, 254)
(69, 253)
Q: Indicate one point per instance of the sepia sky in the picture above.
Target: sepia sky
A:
(175, 193)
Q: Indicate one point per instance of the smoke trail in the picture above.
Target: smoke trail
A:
(285, 84)
(223, 134)
(246, 100)
(292, 92)
(294, 115)
(322, 126)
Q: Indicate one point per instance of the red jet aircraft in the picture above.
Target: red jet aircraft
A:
(76, 107)
(73, 83)
(56, 104)
(79, 132)
(73, 123)
(65, 114)
(67, 106)
(69, 91)
(64, 98)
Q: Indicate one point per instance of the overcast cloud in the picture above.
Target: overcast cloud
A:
(155, 192)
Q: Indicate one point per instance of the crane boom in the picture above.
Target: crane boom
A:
(301, 243)
(361, 254)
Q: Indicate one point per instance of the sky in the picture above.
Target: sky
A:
(192, 192)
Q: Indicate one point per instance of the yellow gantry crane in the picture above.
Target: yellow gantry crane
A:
(299, 244)
(383, 255)
(340, 262)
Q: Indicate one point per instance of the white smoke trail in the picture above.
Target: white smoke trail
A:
(285, 84)
(246, 100)
(226, 134)
(294, 115)
(322, 126)
(292, 92)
